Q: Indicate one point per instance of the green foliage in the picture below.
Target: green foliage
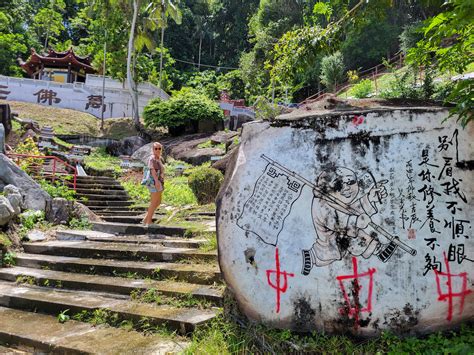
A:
(100, 161)
(411, 34)
(224, 336)
(5, 242)
(363, 89)
(28, 146)
(332, 71)
(448, 44)
(29, 220)
(185, 106)
(9, 259)
(210, 243)
(58, 189)
(205, 183)
(178, 193)
(265, 110)
(63, 317)
(11, 45)
(136, 191)
(80, 223)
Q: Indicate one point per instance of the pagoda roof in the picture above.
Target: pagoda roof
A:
(57, 59)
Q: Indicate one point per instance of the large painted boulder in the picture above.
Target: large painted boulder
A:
(354, 220)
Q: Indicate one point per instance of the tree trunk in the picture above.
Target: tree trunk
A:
(161, 49)
(130, 81)
(200, 47)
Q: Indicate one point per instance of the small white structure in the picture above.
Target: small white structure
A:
(352, 221)
(85, 97)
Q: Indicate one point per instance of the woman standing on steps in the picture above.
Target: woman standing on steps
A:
(156, 181)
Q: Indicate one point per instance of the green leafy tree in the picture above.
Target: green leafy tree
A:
(332, 71)
(448, 44)
(184, 106)
(48, 22)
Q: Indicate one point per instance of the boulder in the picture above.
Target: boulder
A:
(59, 211)
(351, 219)
(12, 193)
(81, 211)
(222, 164)
(126, 146)
(29, 134)
(34, 197)
(223, 137)
(6, 211)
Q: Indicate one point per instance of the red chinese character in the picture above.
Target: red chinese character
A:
(279, 288)
(450, 295)
(354, 309)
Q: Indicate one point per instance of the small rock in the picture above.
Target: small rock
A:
(59, 211)
(12, 193)
(223, 137)
(6, 211)
(36, 236)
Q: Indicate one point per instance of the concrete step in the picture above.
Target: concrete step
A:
(96, 179)
(50, 301)
(128, 219)
(94, 186)
(106, 203)
(109, 192)
(120, 212)
(94, 236)
(108, 197)
(204, 274)
(119, 251)
(117, 209)
(137, 229)
(29, 329)
(110, 284)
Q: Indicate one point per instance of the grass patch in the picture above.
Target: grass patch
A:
(183, 301)
(178, 193)
(210, 243)
(209, 144)
(118, 128)
(100, 161)
(222, 336)
(62, 143)
(63, 121)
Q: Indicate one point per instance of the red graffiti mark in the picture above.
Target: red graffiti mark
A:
(450, 295)
(278, 275)
(411, 233)
(354, 310)
(357, 120)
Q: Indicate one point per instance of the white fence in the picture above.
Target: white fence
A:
(85, 97)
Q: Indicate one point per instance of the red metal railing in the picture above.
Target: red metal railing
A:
(51, 167)
(373, 73)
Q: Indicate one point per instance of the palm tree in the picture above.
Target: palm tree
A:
(160, 10)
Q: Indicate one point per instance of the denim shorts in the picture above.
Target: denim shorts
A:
(153, 189)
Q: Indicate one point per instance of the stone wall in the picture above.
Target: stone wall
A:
(78, 96)
(351, 222)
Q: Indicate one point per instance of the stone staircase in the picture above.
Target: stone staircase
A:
(84, 273)
(108, 199)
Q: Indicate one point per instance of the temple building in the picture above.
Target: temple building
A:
(62, 67)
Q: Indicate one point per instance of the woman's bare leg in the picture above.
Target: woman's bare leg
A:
(154, 204)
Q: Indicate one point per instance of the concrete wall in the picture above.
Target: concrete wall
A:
(307, 214)
(78, 96)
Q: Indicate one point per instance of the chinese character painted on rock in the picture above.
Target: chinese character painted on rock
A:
(4, 92)
(445, 283)
(48, 96)
(96, 101)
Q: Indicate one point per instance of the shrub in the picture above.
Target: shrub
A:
(205, 183)
(332, 71)
(363, 89)
(58, 189)
(100, 161)
(185, 106)
(28, 146)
